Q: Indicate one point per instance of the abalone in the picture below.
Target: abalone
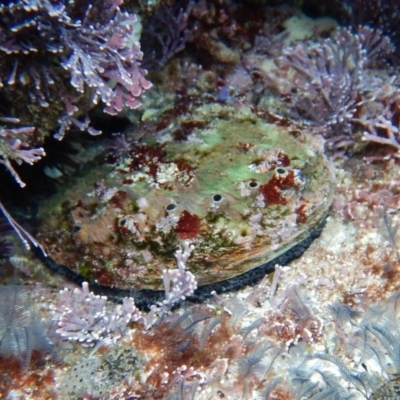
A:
(242, 189)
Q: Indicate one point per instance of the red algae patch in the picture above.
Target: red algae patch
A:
(188, 225)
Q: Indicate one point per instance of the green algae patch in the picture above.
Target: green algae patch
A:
(242, 190)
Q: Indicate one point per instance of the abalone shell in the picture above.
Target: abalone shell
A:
(243, 190)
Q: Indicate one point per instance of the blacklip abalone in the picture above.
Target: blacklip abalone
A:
(242, 190)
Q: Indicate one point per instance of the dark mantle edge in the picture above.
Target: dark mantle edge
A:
(145, 298)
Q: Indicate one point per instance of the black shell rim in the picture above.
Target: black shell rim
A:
(145, 298)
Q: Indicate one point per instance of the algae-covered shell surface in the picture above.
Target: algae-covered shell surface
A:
(242, 190)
